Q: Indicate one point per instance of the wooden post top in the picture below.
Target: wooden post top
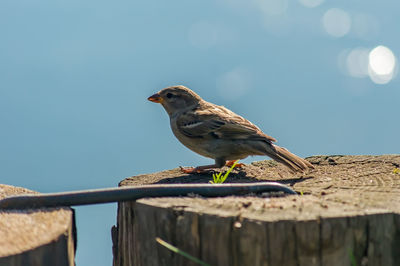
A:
(338, 186)
(35, 236)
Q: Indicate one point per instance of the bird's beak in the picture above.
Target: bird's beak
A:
(156, 98)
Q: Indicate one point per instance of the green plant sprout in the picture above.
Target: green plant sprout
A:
(180, 252)
(396, 171)
(219, 179)
(352, 257)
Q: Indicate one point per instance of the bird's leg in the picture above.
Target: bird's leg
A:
(198, 169)
(219, 162)
(230, 163)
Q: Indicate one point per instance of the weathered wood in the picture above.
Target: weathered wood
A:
(349, 210)
(36, 237)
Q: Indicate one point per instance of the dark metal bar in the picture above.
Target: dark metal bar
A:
(95, 196)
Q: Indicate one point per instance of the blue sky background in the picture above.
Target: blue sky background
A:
(75, 75)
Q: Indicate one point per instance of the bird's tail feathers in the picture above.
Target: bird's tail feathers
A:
(287, 158)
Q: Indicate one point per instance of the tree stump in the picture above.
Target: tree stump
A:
(347, 211)
(36, 237)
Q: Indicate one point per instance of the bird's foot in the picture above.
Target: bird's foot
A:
(191, 170)
(230, 163)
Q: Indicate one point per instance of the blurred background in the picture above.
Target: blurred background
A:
(320, 76)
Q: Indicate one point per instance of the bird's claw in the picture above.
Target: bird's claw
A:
(238, 165)
(190, 170)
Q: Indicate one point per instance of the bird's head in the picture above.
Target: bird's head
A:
(175, 98)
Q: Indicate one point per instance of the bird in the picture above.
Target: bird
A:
(216, 132)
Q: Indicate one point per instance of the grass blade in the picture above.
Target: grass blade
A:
(352, 257)
(180, 252)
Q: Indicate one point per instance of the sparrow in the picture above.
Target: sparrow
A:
(216, 132)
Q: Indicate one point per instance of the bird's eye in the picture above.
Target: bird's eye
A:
(169, 95)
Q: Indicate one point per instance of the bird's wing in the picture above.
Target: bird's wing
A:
(218, 122)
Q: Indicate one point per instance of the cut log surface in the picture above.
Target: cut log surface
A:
(347, 211)
(36, 237)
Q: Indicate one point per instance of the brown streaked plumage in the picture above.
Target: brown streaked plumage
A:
(218, 133)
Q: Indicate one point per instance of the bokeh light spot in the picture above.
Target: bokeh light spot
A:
(382, 60)
(378, 63)
(382, 63)
(357, 62)
(336, 22)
